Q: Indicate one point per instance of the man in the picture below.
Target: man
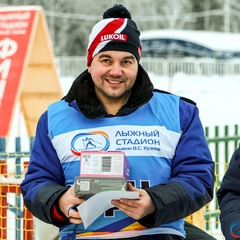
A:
(113, 102)
(229, 199)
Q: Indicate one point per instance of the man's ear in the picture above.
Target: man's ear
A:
(89, 69)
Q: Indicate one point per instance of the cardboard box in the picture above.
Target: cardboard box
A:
(86, 187)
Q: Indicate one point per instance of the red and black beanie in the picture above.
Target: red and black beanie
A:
(117, 31)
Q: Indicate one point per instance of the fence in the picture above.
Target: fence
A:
(17, 223)
(222, 143)
(73, 66)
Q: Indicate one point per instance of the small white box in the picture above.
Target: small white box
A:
(113, 164)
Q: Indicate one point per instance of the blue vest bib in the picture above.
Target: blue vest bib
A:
(148, 136)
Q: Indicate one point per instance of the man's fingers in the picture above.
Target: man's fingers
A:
(131, 187)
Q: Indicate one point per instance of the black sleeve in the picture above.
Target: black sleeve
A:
(228, 196)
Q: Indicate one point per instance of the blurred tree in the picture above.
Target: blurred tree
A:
(70, 22)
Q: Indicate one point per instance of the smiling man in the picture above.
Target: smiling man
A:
(112, 105)
(114, 74)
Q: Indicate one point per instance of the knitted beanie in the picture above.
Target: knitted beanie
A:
(117, 31)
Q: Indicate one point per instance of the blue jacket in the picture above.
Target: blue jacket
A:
(180, 179)
(229, 199)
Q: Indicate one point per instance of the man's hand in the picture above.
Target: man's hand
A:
(138, 208)
(67, 202)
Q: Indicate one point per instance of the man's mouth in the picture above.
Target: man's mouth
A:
(113, 81)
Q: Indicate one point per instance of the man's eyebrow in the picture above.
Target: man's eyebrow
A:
(108, 56)
(104, 55)
(129, 57)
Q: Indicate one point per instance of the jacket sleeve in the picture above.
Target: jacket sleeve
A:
(191, 184)
(228, 196)
(44, 180)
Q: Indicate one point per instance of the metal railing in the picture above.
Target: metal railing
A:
(73, 66)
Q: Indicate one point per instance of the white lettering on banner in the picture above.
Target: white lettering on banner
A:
(15, 16)
(14, 21)
(14, 25)
(2, 89)
(8, 47)
(4, 68)
(115, 36)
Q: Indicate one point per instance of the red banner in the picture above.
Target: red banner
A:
(15, 30)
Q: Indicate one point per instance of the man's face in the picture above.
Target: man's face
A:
(113, 73)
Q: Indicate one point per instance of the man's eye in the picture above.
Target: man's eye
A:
(127, 62)
(105, 61)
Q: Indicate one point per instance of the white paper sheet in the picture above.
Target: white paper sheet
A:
(91, 209)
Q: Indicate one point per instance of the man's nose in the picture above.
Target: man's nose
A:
(116, 69)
